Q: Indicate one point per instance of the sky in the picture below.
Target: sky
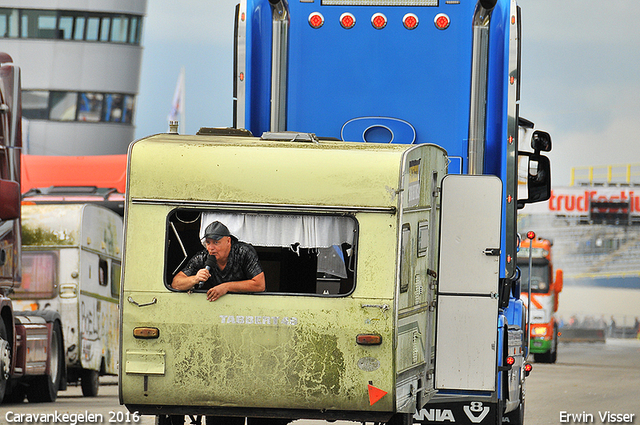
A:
(580, 74)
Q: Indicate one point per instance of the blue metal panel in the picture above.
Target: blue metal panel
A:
(420, 76)
(258, 73)
(497, 108)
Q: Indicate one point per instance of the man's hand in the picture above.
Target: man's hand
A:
(202, 276)
(217, 291)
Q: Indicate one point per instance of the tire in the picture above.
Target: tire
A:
(169, 420)
(16, 396)
(554, 354)
(266, 421)
(5, 359)
(401, 419)
(44, 389)
(517, 416)
(90, 382)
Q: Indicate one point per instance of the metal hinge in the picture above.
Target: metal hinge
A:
(491, 251)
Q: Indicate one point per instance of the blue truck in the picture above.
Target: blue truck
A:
(443, 72)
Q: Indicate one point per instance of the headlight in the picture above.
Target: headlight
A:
(538, 331)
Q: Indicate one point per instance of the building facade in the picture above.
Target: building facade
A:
(81, 63)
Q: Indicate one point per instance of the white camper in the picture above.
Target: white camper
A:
(71, 264)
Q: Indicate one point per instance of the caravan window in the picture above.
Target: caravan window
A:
(300, 253)
(39, 275)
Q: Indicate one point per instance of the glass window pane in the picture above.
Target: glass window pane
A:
(119, 29)
(38, 24)
(35, 104)
(78, 33)
(113, 104)
(47, 25)
(133, 34)
(66, 27)
(127, 116)
(39, 273)
(90, 107)
(105, 27)
(93, 25)
(63, 106)
(12, 22)
(115, 279)
(24, 24)
(4, 22)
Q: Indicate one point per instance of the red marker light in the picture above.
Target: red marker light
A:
(510, 361)
(410, 21)
(528, 367)
(531, 234)
(368, 339)
(442, 21)
(347, 20)
(379, 21)
(316, 20)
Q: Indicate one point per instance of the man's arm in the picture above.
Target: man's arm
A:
(183, 282)
(256, 284)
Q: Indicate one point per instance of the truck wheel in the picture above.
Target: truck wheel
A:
(170, 420)
(5, 359)
(554, 353)
(517, 416)
(44, 389)
(90, 382)
(401, 419)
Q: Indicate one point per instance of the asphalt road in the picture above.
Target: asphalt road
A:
(588, 379)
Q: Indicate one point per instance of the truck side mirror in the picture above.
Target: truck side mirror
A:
(538, 178)
(541, 141)
(9, 200)
(558, 282)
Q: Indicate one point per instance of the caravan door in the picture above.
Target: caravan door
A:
(467, 305)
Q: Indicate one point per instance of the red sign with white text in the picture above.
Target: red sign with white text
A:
(575, 200)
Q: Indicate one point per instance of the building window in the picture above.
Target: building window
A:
(78, 30)
(73, 106)
(35, 104)
(120, 29)
(63, 106)
(9, 23)
(66, 27)
(105, 28)
(90, 106)
(70, 25)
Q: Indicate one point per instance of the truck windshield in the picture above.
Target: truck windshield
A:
(539, 278)
(39, 275)
(307, 254)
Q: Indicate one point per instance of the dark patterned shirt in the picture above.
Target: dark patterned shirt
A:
(242, 264)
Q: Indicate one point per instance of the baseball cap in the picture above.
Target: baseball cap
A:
(216, 230)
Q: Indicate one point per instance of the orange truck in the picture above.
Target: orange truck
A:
(536, 266)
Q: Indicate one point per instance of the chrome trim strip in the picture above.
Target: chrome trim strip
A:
(478, 112)
(264, 207)
(279, 64)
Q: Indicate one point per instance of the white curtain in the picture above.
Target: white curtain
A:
(279, 230)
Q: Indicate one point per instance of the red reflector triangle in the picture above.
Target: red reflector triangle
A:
(375, 394)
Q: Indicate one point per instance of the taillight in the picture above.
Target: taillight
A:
(511, 360)
(146, 332)
(410, 21)
(347, 20)
(369, 339)
(379, 21)
(316, 20)
(527, 369)
(442, 21)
